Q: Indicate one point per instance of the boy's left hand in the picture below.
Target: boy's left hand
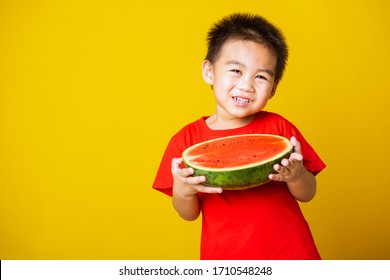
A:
(290, 169)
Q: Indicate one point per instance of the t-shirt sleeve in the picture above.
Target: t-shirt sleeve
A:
(164, 180)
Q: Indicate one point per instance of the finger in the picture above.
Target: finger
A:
(296, 144)
(195, 180)
(277, 167)
(185, 172)
(285, 162)
(280, 169)
(295, 157)
(205, 189)
(275, 177)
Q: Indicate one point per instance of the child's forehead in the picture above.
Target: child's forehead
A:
(235, 41)
(235, 46)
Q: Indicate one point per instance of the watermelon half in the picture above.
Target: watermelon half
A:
(237, 162)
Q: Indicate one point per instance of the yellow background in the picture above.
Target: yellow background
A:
(91, 92)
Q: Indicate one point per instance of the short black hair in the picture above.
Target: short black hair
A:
(248, 27)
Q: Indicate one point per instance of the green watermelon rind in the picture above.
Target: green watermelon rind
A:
(240, 178)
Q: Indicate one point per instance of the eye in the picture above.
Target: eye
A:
(261, 77)
(235, 71)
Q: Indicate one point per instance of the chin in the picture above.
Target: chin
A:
(244, 114)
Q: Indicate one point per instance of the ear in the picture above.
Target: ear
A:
(207, 72)
(274, 89)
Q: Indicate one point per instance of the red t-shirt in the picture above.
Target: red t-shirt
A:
(265, 222)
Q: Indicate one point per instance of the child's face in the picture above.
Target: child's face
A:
(243, 78)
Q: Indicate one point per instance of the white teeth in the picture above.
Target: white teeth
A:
(241, 100)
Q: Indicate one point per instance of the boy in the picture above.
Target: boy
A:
(244, 64)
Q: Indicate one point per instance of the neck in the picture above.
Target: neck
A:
(218, 123)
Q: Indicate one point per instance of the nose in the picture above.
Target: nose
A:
(246, 84)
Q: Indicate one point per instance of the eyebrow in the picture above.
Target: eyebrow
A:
(269, 71)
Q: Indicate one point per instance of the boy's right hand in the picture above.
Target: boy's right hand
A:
(186, 185)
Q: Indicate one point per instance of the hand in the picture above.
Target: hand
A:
(186, 185)
(291, 169)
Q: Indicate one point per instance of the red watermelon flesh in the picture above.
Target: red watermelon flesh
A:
(237, 151)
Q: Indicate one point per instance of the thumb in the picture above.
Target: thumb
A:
(296, 144)
(176, 164)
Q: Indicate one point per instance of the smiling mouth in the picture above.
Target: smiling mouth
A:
(241, 100)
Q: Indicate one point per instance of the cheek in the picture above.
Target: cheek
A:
(223, 86)
(265, 91)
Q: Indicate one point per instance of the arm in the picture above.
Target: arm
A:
(185, 188)
(301, 182)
